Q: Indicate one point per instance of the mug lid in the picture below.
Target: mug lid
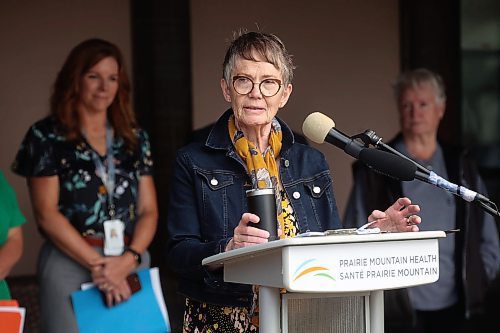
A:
(259, 191)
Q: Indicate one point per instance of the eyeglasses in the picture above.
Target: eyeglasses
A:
(268, 87)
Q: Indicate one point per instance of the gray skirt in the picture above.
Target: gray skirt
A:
(59, 276)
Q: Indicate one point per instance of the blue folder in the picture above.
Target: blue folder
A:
(143, 312)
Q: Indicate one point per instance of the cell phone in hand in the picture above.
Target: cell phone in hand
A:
(134, 284)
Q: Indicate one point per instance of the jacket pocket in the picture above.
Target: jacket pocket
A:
(221, 203)
(317, 186)
(216, 180)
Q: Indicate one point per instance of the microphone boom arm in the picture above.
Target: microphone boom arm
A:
(423, 174)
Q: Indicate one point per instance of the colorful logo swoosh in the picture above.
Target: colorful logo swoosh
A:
(306, 268)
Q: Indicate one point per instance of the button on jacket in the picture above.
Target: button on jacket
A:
(207, 200)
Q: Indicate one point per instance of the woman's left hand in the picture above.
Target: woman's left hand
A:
(116, 294)
(399, 217)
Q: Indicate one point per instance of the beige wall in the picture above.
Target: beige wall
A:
(346, 52)
(36, 37)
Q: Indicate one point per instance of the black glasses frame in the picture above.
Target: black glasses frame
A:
(254, 83)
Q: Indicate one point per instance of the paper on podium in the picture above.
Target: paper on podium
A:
(11, 317)
(144, 311)
(363, 230)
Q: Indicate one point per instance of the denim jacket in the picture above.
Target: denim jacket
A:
(207, 200)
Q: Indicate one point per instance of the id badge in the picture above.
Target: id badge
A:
(114, 243)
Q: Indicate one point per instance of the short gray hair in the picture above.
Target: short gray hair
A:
(269, 46)
(418, 77)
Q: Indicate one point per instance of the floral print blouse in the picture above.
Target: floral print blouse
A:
(83, 197)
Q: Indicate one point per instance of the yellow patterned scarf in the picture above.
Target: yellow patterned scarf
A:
(262, 167)
(263, 172)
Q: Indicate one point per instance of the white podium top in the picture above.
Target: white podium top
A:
(336, 262)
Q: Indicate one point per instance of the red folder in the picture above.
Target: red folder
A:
(11, 316)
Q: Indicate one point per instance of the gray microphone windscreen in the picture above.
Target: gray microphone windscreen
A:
(316, 127)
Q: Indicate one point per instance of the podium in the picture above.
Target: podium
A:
(344, 272)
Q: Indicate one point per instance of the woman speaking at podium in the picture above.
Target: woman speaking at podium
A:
(249, 147)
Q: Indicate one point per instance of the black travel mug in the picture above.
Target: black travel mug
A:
(262, 202)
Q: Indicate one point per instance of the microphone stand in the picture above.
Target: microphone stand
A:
(489, 209)
(370, 137)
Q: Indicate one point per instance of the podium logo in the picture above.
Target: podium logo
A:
(308, 267)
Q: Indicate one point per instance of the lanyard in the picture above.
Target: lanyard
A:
(107, 177)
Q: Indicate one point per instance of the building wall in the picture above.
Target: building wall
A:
(346, 52)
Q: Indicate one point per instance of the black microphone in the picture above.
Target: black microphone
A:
(388, 164)
(370, 137)
(319, 128)
(430, 177)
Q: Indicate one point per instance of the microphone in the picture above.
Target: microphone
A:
(370, 137)
(425, 175)
(319, 128)
(388, 164)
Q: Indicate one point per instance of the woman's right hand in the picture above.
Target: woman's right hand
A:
(245, 235)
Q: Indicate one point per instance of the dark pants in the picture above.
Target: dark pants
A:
(449, 320)
(446, 320)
